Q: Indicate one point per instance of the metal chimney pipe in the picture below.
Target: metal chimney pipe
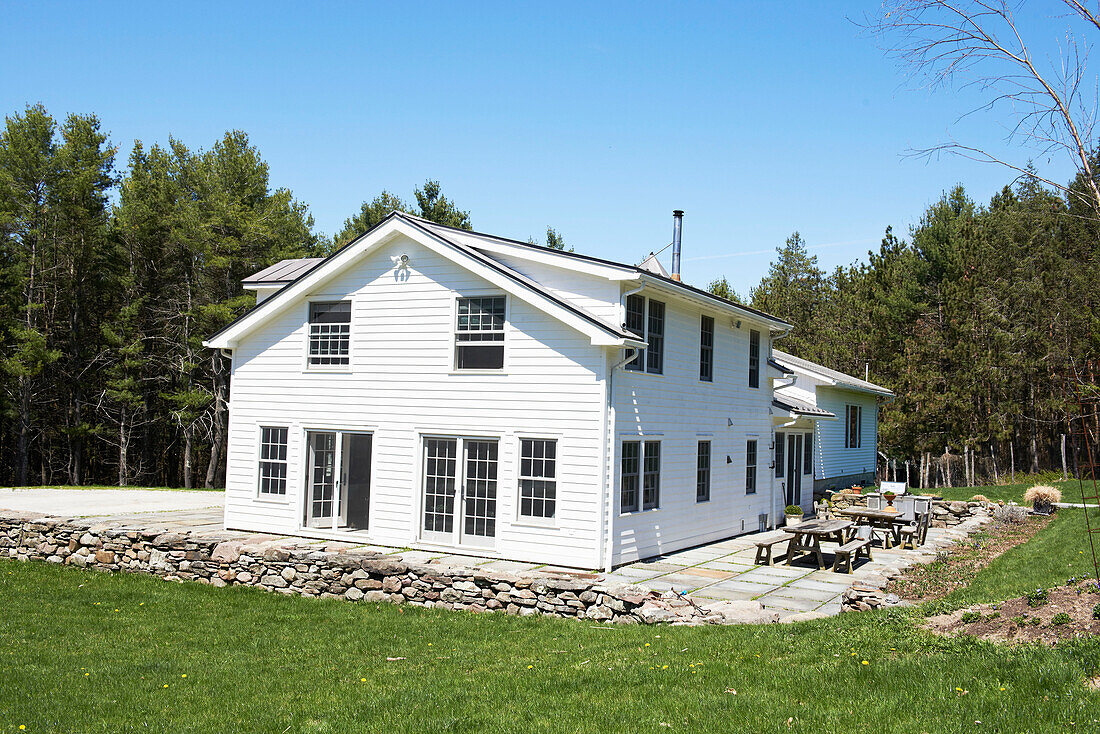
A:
(677, 225)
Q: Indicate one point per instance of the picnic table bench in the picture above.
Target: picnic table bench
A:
(806, 538)
(764, 550)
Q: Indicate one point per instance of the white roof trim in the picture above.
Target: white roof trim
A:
(499, 275)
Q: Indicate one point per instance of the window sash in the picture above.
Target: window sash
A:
(702, 473)
(651, 475)
(273, 462)
(852, 426)
(538, 477)
(479, 332)
(706, 349)
(630, 479)
(780, 454)
(635, 324)
(329, 333)
(754, 359)
(655, 337)
(808, 454)
(750, 466)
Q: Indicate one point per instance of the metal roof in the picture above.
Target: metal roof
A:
(282, 272)
(797, 406)
(839, 378)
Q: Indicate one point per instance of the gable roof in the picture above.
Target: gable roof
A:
(282, 272)
(832, 377)
(609, 268)
(310, 274)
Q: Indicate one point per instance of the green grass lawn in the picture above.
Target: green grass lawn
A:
(85, 651)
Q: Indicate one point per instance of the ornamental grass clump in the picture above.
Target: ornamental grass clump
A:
(1042, 497)
(980, 498)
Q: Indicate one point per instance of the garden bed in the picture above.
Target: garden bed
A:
(1047, 616)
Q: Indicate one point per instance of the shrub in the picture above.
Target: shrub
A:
(1020, 620)
(793, 510)
(1041, 497)
(980, 498)
(1060, 618)
(968, 617)
(1036, 598)
(1010, 514)
(1096, 612)
(1035, 621)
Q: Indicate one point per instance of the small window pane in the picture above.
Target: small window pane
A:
(702, 474)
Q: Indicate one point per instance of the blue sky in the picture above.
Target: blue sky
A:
(599, 119)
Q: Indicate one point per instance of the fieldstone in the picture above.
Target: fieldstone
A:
(385, 566)
(804, 617)
(391, 584)
(276, 555)
(598, 613)
(105, 557)
(244, 577)
(227, 552)
(289, 573)
(274, 581)
(169, 539)
(376, 596)
(158, 560)
(89, 539)
(466, 586)
(743, 612)
(450, 595)
(353, 594)
(650, 613)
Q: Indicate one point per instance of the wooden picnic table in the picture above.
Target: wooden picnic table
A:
(806, 537)
(880, 519)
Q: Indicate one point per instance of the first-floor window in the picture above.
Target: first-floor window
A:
(702, 473)
(537, 477)
(640, 475)
(808, 455)
(273, 460)
(853, 418)
(750, 466)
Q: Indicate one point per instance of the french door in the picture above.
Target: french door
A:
(460, 491)
(338, 480)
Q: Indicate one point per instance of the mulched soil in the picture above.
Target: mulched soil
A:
(1015, 621)
(958, 566)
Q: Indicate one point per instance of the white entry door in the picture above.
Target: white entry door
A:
(338, 480)
(460, 491)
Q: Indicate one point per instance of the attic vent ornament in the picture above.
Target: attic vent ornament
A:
(401, 272)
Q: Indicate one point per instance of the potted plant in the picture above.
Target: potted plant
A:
(1042, 497)
(793, 515)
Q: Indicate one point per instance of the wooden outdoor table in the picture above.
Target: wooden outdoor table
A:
(878, 519)
(806, 537)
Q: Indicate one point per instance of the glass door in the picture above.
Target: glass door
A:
(322, 479)
(794, 468)
(460, 491)
(338, 480)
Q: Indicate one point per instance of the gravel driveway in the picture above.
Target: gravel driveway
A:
(86, 502)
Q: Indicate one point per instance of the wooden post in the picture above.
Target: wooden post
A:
(996, 479)
(947, 465)
(1064, 476)
(1012, 457)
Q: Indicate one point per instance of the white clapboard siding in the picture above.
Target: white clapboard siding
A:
(679, 409)
(834, 460)
(401, 385)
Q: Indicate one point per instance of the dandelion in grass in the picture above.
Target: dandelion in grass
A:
(183, 675)
(530, 666)
(865, 663)
(165, 685)
(362, 680)
(647, 644)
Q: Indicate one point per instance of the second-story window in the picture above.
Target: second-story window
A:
(479, 333)
(647, 324)
(706, 349)
(754, 359)
(329, 334)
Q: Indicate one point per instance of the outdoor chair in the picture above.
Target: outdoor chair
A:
(916, 530)
(848, 553)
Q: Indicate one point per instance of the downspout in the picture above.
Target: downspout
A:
(609, 444)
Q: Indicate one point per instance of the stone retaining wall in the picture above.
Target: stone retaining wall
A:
(945, 513)
(351, 574)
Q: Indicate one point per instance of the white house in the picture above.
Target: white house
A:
(826, 428)
(436, 388)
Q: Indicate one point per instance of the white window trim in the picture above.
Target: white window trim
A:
(531, 520)
(261, 496)
(329, 368)
(454, 369)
